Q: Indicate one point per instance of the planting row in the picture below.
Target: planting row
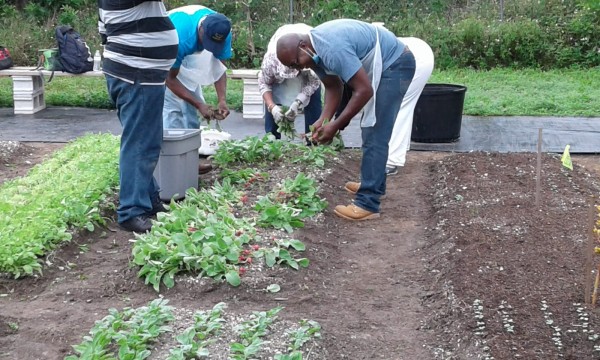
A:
(134, 333)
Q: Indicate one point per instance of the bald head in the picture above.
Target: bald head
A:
(288, 50)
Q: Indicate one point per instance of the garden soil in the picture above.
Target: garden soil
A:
(468, 261)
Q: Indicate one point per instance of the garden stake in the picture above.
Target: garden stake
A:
(589, 258)
(596, 282)
(539, 169)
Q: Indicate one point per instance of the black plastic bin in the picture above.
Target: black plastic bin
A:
(438, 114)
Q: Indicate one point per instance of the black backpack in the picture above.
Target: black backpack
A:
(74, 54)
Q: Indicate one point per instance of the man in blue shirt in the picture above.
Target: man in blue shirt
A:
(199, 28)
(378, 68)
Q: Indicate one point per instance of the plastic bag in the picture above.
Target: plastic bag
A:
(211, 139)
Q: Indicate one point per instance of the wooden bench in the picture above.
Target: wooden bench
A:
(29, 98)
(28, 87)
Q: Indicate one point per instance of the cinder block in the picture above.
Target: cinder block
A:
(27, 83)
(29, 103)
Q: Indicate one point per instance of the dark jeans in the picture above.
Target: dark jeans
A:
(392, 87)
(139, 108)
(311, 114)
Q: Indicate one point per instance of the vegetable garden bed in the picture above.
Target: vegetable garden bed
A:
(461, 265)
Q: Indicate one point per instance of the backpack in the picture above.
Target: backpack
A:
(74, 54)
(5, 59)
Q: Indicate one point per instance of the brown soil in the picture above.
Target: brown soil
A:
(457, 231)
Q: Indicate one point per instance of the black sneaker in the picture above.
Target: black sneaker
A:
(157, 206)
(138, 224)
(391, 170)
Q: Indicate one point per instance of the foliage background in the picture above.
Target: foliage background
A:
(480, 34)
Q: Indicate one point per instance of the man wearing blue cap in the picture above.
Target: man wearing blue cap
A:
(199, 28)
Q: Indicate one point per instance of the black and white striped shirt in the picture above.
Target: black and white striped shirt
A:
(141, 41)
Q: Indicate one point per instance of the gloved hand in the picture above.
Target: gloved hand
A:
(290, 115)
(277, 114)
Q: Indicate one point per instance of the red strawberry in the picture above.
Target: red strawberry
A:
(192, 229)
(242, 271)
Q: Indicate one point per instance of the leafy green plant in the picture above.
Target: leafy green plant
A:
(196, 338)
(68, 191)
(280, 254)
(131, 331)
(198, 235)
(252, 149)
(286, 205)
(242, 176)
(251, 331)
(308, 329)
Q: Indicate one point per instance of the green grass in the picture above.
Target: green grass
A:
(527, 92)
(495, 92)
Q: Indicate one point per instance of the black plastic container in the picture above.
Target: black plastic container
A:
(438, 114)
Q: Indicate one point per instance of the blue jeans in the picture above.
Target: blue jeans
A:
(311, 114)
(394, 83)
(180, 114)
(139, 108)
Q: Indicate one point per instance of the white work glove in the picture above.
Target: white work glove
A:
(277, 114)
(290, 115)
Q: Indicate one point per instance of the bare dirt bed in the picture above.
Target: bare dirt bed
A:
(461, 265)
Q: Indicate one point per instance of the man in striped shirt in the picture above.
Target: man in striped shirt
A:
(140, 48)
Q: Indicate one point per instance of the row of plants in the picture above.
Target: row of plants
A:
(131, 333)
(65, 193)
(201, 234)
(213, 232)
(478, 33)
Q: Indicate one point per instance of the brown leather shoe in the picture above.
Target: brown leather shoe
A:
(353, 186)
(204, 168)
(353, 212)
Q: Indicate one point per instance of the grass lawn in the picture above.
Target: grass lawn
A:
(565, 92)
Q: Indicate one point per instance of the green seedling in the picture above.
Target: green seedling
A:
(69, 191)
(129, 332)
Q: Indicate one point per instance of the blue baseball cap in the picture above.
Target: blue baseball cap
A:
(216, 29)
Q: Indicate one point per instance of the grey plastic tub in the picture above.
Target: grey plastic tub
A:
(177, 168)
